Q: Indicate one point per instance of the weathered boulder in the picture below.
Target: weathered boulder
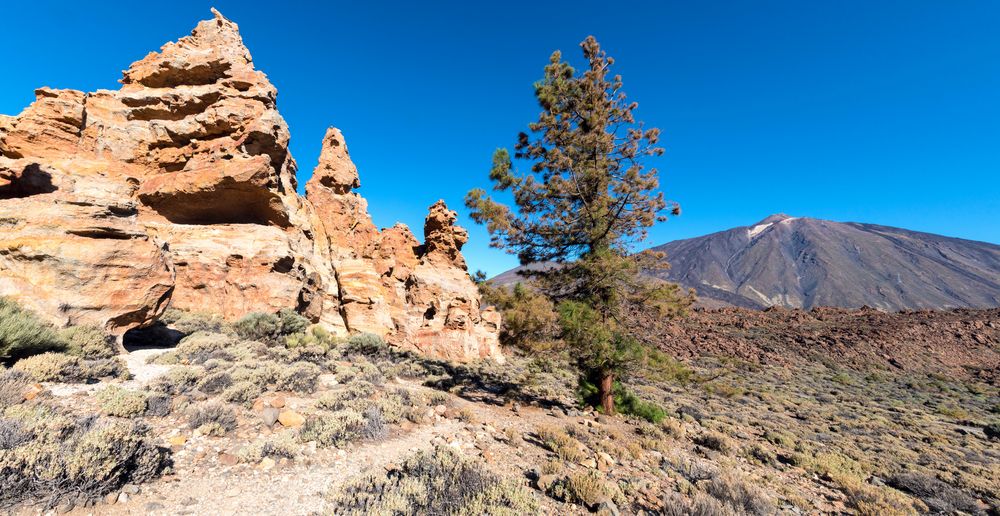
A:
(178, 189)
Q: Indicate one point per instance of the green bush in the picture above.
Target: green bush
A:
(436, 482)
(625, 401)
(23, 334)
(258, 326)
(116, 401)
(291, 322)
(317, 336)
(87, 342)
(367, 344)
(190, 322)
(214, 383)
(177, 380)
(270, 328)
(68, 457)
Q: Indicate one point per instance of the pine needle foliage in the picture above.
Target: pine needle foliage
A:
(587, 199)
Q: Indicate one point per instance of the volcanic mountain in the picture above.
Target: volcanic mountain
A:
(801, 262)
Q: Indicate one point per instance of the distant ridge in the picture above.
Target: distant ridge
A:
(801, 262)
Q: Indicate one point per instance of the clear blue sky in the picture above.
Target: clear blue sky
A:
(885, 112)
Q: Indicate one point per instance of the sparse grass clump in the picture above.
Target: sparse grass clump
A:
(116, 401)
(589, 488)
(560, 443)
(436, 482)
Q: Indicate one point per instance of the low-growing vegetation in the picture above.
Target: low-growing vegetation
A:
(436, 482)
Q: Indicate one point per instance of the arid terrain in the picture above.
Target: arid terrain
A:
(249, 424)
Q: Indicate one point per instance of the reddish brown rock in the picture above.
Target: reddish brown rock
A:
(179, 189)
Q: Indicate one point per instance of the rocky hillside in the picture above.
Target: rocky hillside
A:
(179, 189)
(804, 262)
(961, 344)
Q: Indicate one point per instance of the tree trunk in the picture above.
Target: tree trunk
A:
(604, 389)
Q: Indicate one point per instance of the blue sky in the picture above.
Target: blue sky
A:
(885, 112)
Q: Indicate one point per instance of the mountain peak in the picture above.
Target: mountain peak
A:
(777, 217)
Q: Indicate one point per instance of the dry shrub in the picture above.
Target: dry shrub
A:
(87, 342)
(69, 456)
(275, 446)
(212, 418)
(560, 443)
(590, 488)
(336, 429)
(116, 401)
(300, 377)
(740, 495)
(436, 482)
(12, 386)
(716, 441)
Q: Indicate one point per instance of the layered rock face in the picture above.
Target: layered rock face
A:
(179, 190)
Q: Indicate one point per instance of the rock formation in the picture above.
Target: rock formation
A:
(179, 189)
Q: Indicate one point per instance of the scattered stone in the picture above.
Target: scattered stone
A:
(607, 508)
(130, 489)
(545, 482)
(270, 416)
(267, 464)
(177, 440)
(154, 506)
(278, 402)
(123, 497)
(291, 419)
(111, 498)
(228, 459)
(32, 391)
(605, 462)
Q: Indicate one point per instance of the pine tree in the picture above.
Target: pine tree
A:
(586, 202)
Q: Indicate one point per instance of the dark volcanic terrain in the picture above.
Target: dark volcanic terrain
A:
(960, 344)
